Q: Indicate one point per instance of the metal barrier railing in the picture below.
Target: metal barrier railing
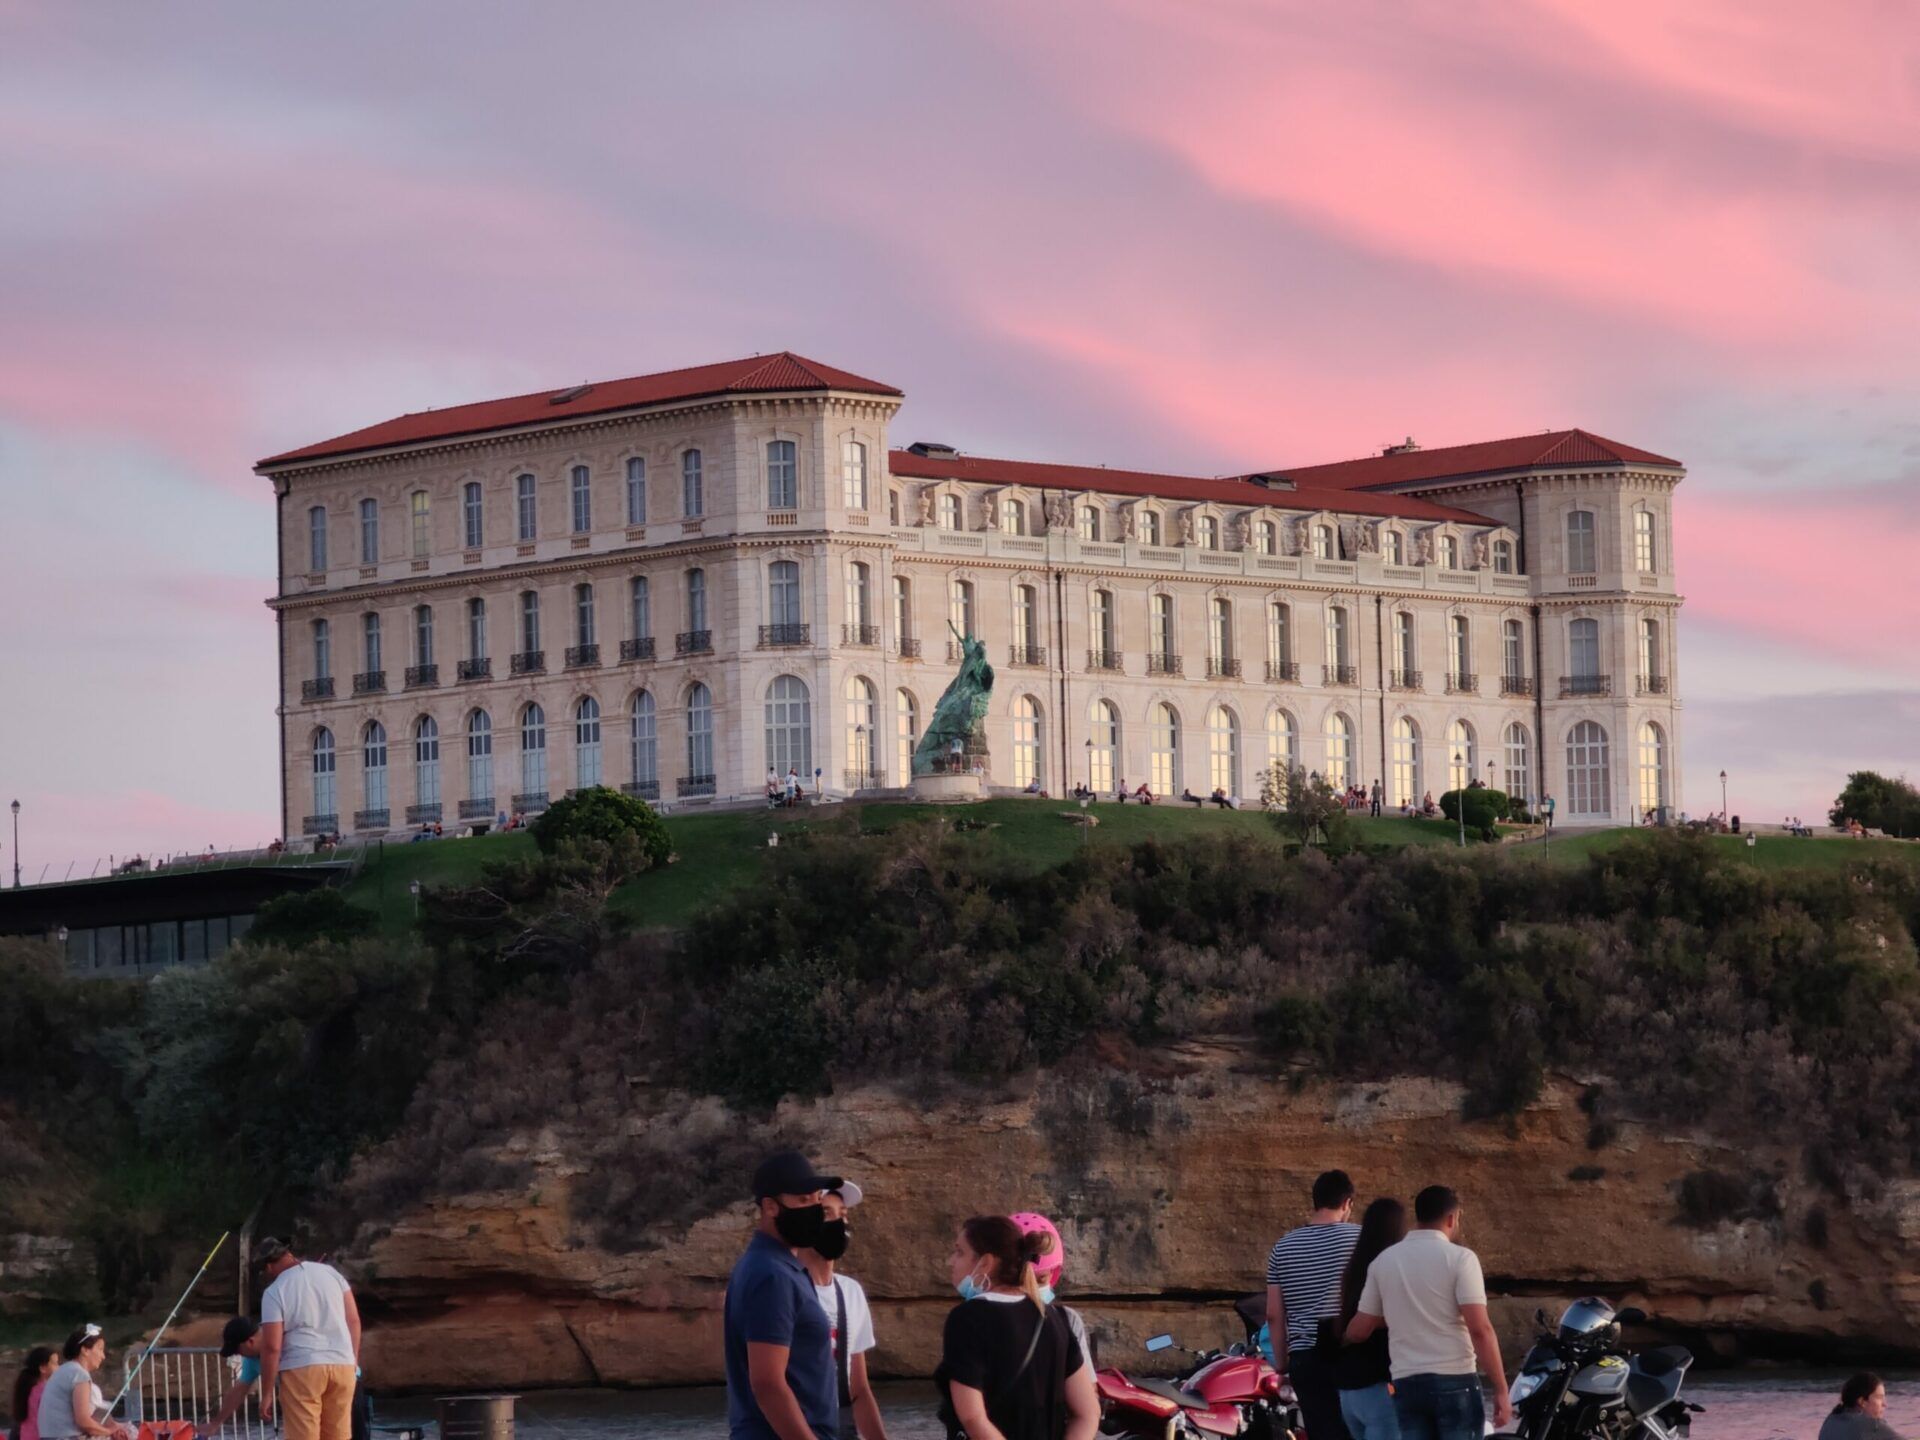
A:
(188, 1383)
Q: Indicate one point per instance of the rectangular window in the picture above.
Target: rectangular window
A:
(418, 518)
(1643, 556)
(524, 499)
(583, 627)
(322, 650)
(1580, 543)
(1584, 644)
(317, 538)
(476, 629)
(783, 485)
(423, 635)
(369, 532)
(696, 600)
(853, 474)
(530, 620)
(636, 491)
(471, 503)
(1513, 650)
(372, 634)
(784, 593)
(1163, 640)
(692, 493)
(582, 500)
(1279, 634)
(640, 608)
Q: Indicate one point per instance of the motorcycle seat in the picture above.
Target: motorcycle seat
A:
(1664, 1361)
(1167, 1390)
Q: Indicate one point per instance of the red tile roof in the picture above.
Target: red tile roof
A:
(1042, 476)
(1548, 451)
(755, 375)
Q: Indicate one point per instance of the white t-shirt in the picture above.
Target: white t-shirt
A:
(859, 1317)
(309, 1300)
(1418, 1287)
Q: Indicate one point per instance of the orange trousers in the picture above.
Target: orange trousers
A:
(316, 1402)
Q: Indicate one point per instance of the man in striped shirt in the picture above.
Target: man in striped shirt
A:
(1303, 1288)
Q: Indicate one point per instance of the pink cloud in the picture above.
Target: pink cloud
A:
(65, 834)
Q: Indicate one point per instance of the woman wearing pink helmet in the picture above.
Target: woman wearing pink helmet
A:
(1051, 1269)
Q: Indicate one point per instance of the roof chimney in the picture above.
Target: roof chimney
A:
(1405, 447)
(933, 450)
(1273, 482)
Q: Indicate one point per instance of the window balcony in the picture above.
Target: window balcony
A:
(642, 789)
(909, 648)
(1653, 684)
(1340, 674)
(1029, 655)
(1283, 672)
(1222, 667)
(1572, 685)
(530, 803)
(785, 637)
(1516, 685)
(863, 780)
(1403, 679)
(481, 669)
(1108, 660)
(423, 814)
(481, 809)
(527, 662)
(641, 649)
(371, 819)
(321, 689)
(955, 652)
(370, 682)
(320, 825)
(688, 786)
(1463, 684)
(867, 635)
(422, 677)
(693, 642)
(581, 656)
(1164, 662)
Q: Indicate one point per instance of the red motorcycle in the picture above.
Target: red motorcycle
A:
(1227, 1392)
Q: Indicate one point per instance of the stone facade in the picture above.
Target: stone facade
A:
(1183, 639)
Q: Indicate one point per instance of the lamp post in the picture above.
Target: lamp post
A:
(16, 844)
(1723, 803)
(1090, 784)
(1460, 796)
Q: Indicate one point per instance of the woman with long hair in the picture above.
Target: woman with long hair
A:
(1360, 1371)
(34, 1371)
(65, 1411)
(1010, 1368)
(1861, 1413)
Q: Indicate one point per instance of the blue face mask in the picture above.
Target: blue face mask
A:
(970, 1288)
(1046, 1294)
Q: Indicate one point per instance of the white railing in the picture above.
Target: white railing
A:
(188, 1383)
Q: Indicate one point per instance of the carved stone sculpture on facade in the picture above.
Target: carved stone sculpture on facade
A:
(1423, 547)
(1482, 550)
(1059, 513)
(1185, 524)
(1240, 532)
(925, 501)
(1128, 523)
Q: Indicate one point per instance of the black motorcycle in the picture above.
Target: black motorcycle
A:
(1577, 1381)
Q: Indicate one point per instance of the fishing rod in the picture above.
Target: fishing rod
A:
(134, 1373)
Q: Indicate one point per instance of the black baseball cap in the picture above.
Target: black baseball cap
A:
(269, 1250)
(238, 1331)
(790, 1173)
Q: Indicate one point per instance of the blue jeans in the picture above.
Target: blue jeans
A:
(1439, 1407)
(1369, 1413)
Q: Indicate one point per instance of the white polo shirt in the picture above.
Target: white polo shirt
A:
(1418, 1287)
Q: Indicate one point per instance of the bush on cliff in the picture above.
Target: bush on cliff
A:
(606, 815)
(308, 917)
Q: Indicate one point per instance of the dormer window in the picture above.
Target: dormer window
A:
(1323, 544)
(1449, 552)
(1089, 522)
(1209, 532)
(1394, 547)
(949, 512)
(1150, 527)
(1503, 557)
(1013, 516)
(1266, 538)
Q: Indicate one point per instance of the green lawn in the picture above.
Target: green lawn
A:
(1769, 852)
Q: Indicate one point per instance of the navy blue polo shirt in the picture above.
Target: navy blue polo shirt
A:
(771, 1301)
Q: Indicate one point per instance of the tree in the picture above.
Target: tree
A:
(603, 814)
(308, 917)
(1879, 803)
(1485, 807)
(1304, 806)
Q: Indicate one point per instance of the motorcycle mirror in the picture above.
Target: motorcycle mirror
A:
(1158, 1343)
(1632, 1315)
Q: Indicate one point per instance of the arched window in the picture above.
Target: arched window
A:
(426, 766)
(906, 734)
(1393, 547)
(1101, 629)
(859, 602)
(643, 746)
(1406, 653)
(783, 475)
(1461, 634)
(700, 772)
(1583, 652)
(693, 501)
(582, 494)
(370, 646)
(322, 650)
(1449, 552)
(473, 514)
(1653, 769)
(524, 503)
(533, 759)
(1027, 749)
(1282, 740)
(326, 809)
(423, 635)
(317, 538)
(1339, 646)
(1026, 624)
(369, 532)
(697, 602)
(1580, 542)
(1644, 553)
(417, 517)
(1519, 760)
(949, 512)
(639, 608)
(373, 769)
(1513, 657)
(1149, 527)
(529, 622)
(1279, 639)
(1103, 751)
(903, 612)
(1162, 641)
(1013, 517)
(1209, 532)
(584, 629)
(1266, 538)
(1503, 557)
(476, 629)
(636, 491)
(1405, 773)
(1323, 543)
(1223, 750)
(1089, 522)
(863, 735)
(1339, 742)
(789, 727)
(1589, 771)
(1463, 758)
(480, 762)
(586, 743)
(1650, 672)
(853, 474)
(1220, 635)
(960, 606)
(1163, 750)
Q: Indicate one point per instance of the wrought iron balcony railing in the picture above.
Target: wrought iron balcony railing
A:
(320, 825)
(1571, 685)
(1653, 684)
(693, 642)
(1341, 674)
(371, 819)
(643, 789)
(909, 648)
(480, 809)
(1222, 667)
(370, 682)
(1109, 660)
(1164, 662)
(532, 802)
(860, 635)
(1031, 655)
(423, 814)
(478, 669)
(320, 689)
(641, 649)
(1403, 680)
(1279, 671)
(1463, 683)
(528, 662)
(775, 637)
(1516, 685)
(421, 677)
(581, 656)
(692, 785)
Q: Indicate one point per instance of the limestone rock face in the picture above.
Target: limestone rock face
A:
(1168, 1195)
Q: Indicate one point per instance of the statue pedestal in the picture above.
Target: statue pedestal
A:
(957, 789)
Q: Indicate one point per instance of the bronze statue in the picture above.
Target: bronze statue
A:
(952, 735)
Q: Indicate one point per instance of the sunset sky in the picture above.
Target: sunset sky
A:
(1193, 235)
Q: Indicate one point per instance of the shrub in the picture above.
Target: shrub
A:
(603, 814)
(1484, 807)
(308, 917)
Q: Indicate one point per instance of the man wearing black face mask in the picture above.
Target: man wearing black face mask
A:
(846, 1306)
(779, 1346)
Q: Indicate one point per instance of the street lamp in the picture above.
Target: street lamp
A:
(1723, 798)
(1460, 797)
(16, 844)
(1090, 785)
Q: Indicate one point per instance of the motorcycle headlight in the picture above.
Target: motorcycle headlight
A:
(1523, 1386)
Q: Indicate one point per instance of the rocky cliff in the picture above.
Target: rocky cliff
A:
(1168, 1193)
